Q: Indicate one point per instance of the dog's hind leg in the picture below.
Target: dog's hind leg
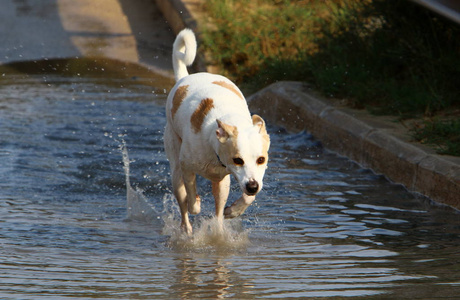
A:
(220, 191)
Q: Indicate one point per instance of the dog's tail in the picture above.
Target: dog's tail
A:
(184, 52)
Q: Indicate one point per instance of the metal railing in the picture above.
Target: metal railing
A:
(447, 8)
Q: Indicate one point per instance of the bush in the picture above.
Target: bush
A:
(393, 57)
(389, 56)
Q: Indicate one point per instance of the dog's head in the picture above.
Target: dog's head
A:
(244, 151)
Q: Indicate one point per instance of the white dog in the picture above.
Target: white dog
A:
(210, 132)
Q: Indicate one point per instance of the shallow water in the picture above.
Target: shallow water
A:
(322, 227)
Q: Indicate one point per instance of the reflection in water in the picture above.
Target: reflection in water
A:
(322, 227)
(206, 278)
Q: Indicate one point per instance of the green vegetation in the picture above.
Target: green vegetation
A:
(443, 135)
(390, 57)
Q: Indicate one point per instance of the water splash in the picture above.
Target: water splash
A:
(138, 206)
(208, 235)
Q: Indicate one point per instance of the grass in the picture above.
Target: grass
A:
(443, 135)
(390, 57)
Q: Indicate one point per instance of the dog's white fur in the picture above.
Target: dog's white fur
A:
(210, 132)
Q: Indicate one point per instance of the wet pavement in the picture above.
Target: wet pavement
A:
(130, 31)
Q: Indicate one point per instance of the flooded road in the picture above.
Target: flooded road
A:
(322, 227)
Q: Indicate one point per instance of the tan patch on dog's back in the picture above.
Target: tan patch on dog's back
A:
(200, 113)
(230, 87)
(179, 96)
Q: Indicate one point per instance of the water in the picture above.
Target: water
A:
(323, 227)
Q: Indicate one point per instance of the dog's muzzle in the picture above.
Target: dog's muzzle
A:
(252, 187)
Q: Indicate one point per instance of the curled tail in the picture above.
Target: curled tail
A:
(184, 51)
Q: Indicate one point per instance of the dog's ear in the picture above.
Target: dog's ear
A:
(225, 131)
(259, 122)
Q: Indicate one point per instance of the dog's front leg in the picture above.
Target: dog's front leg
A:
(193, 200)
(181, 196)
(220, 191)
(239, 206)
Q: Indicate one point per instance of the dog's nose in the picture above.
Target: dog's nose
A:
(252, 187)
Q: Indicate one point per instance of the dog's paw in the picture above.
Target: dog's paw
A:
(238, 207)
(187, 229)
(195, 208)
(230, 212)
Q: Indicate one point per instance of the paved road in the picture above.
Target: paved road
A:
(133, 31)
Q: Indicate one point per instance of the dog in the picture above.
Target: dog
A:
(210, 132)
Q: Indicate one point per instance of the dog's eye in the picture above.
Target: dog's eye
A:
(260, 160)
(238, 161)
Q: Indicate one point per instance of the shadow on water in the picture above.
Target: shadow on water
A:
(86, 68)
(81, 219)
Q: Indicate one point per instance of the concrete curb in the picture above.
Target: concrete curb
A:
(291, 105)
